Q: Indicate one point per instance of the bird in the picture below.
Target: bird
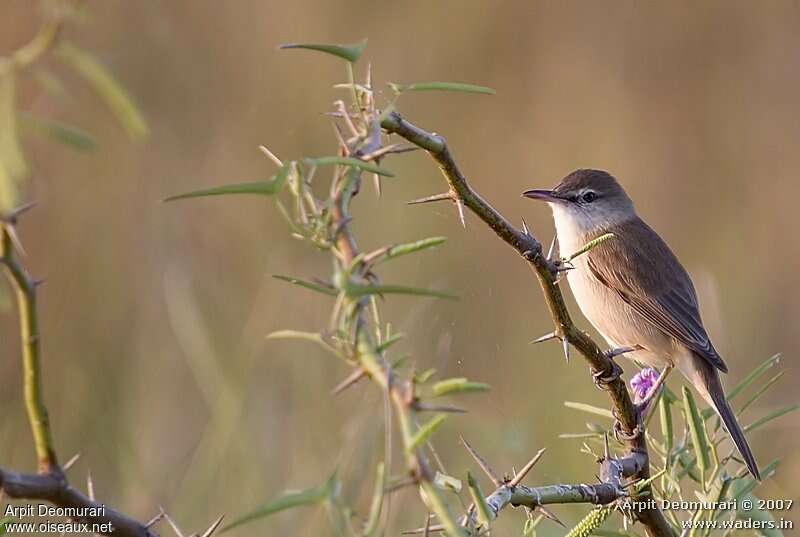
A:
(634, 290)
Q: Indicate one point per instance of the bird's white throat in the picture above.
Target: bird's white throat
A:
(576, 226)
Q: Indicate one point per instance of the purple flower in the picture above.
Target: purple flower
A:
(643, 382)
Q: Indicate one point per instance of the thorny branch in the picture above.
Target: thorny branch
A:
(602, 365)
(510, 491)
(50, 484)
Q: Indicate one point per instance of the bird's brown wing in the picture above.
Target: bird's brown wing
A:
(663, 295)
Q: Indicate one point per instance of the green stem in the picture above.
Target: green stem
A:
(25, 289)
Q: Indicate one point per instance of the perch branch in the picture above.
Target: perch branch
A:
(531, 250)
(50, 484)
(607, 491)
(55, 490)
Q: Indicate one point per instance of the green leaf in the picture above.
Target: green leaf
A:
(484, 512)
(590, 245)
(107, 87)
(589, 408)
(411, 247)
(308, 336)
(373, 521)
(761, 391)
(458, 385)
(771, 416)
(349, 161)
(426, 431)
(356, 290)
(350, 53)
(571, 436)
(441, 86)
(391, 340)
(288, 500)
(665, 413)
(697, 430)
(753, 376)
(264, 188)
(320, 288)
(61, 132)
(425, 376)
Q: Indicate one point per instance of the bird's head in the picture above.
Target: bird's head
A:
(587, 200)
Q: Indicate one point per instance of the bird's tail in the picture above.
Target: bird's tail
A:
(711, 389)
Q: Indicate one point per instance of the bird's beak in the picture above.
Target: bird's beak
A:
(542, 195)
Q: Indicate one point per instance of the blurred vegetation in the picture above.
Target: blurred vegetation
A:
(154, 317)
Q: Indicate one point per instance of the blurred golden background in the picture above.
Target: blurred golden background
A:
(154, 315)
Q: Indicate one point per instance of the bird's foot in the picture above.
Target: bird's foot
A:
(602, 379)
(622, 435)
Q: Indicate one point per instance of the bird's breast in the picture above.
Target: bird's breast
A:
(617, 322)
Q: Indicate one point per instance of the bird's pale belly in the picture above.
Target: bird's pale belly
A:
(617, 322)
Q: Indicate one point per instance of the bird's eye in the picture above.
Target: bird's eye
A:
(589, 197)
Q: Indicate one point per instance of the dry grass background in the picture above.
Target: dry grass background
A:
(154, 315)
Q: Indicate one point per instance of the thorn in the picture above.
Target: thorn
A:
(271, 155)
(606, 450)
(460, 207)
(482, 463)
(89, 486)
(340, 137)
(386, 150)
(14, 214)
(525, 229)
(150, 523)
(428, 199)
(173, 525)
(552, 248)
(549, 514)
(12, 234)
(429, 529)
(546, 337)
(400, 485)
(350, 380)
(213, 527)
(343, 110)
(38, 282)
(376, 180)
(427, 526)
(565, 346)
(71, 462)
(368, 80)
(527, 468)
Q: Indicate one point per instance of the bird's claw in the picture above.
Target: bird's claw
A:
(622, 435)
(619, 351)
(603, 378)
